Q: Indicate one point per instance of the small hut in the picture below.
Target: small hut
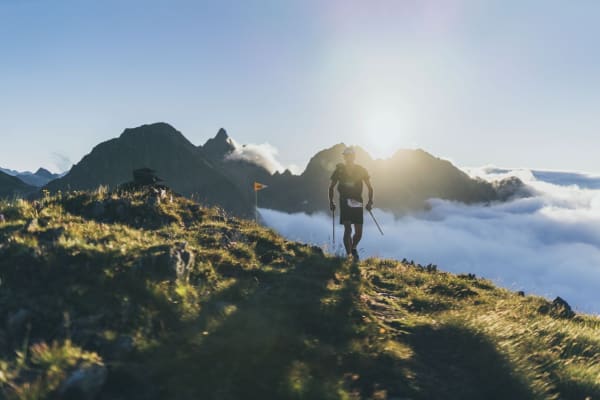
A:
(145, 177)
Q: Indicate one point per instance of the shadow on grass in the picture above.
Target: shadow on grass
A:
(78, 294)
(279, 341)
(299, 334)
(453, 362)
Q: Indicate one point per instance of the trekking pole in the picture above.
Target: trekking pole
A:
(376, 223)
(333, 226)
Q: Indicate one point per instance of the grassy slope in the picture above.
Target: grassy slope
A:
(258, 316)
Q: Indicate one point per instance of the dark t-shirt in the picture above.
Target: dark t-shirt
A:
(350, 180)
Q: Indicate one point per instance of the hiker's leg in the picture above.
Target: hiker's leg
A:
(358, 228)
(348, 237)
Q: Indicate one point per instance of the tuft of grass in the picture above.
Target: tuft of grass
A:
(39, 372)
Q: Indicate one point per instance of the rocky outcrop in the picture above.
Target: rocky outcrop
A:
(558, 308)
(84, 383)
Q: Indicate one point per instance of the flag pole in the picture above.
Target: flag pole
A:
(255, 205)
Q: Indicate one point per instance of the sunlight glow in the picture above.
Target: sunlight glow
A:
(385, 131)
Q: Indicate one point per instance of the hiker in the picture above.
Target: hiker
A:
(349, 177)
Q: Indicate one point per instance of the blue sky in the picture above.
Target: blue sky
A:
(510, 83)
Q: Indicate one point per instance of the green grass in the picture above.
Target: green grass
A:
(257, 316)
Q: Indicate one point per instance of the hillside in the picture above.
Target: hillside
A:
(147, 295)
(11, 186)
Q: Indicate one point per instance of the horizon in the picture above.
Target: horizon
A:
(497, 83)
(298, 169)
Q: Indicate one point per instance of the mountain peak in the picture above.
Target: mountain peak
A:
(222, 135)
(219, 146)
(157, 127)
(159, 133)
(43, 172)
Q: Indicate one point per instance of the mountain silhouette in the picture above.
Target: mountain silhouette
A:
(402, 183)
(218, 173)
(219, 147)
(181, 165)
(13, 186)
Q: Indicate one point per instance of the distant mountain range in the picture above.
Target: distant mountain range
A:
(213, 174)
(38, 178)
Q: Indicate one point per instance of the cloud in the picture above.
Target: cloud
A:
(62, 162)
(548, 244)
(263, 154)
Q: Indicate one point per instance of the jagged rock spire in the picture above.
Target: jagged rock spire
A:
(219, 146)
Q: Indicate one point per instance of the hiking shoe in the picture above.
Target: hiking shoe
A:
(355, 254)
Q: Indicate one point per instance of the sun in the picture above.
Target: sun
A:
(383, 131)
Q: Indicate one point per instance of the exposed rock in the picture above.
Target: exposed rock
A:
(521, 293)
(84, 383)
(181, 260)
(559, 308)
(317, 250)
(2, 219)
(510, 187)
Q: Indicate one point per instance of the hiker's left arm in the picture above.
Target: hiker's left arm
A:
(370, 187)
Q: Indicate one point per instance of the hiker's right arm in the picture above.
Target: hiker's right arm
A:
(331, 187)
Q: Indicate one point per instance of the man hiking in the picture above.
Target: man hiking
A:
(350, 177)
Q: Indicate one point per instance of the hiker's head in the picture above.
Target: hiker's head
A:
(349, 155)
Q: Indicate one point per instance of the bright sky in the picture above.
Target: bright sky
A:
(505, 82)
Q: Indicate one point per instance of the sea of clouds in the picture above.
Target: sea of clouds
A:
(547, 244)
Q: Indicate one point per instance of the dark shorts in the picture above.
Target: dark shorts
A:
(350, 215)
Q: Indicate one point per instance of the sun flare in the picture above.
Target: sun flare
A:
(384, 132)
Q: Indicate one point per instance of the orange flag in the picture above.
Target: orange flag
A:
(259, 186)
